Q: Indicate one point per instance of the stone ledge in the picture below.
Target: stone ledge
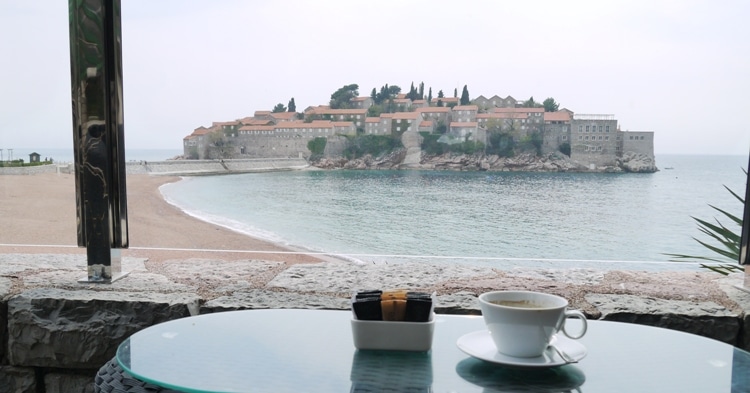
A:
(56, 323)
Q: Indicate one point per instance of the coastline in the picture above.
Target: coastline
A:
(40, 217)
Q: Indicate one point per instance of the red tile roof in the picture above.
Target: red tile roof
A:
(329, 111)
(257, 128)
(434, 109)
(463, 124)
(504, 115)
(557, 116)
(249, 121)
(401, 115)
(444, 99)
(284, 115)
(466, 108)
(518, 110)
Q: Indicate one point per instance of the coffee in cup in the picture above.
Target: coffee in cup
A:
(522, 323)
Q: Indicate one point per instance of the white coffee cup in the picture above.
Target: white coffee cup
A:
(522, 323)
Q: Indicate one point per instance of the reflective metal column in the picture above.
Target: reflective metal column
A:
(98, 140)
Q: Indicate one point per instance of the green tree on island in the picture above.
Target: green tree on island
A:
(279, 108)
(292, 107)
(465, 96)
(412, 94)
(386, 94)
(550, 105)
(341, 98)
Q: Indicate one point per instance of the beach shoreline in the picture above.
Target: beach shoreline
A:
(39, 216)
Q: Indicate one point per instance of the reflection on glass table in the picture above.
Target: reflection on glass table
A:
(313, 351)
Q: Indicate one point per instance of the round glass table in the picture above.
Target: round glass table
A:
(313, 351)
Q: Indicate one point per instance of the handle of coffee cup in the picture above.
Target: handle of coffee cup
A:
(575, 314)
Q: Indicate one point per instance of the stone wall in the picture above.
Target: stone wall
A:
(271, 146)
(638, 142)
(179, 167)
(32, 170)
(214, 167)
(57, 333)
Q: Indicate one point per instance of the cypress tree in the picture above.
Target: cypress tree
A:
(465, 96)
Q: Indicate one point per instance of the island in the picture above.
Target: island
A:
(392, 130)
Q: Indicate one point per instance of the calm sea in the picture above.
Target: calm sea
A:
(500, 219)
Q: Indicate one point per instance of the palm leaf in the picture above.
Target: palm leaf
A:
(719, 232)
(739, 198)
(732, 217)
(723, 269)
(728, 240)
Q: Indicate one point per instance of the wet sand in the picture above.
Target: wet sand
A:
(38, 215)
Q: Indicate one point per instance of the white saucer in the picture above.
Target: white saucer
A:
(479, 345)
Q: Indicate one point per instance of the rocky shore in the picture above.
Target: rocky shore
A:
(556, 162)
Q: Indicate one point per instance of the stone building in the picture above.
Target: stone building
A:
(556, 130)
(638, 142)
(594, 140)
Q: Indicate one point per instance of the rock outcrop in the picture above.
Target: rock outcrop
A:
(637, 162)
(555, 162)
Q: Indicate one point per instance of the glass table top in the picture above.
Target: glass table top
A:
(313, 351)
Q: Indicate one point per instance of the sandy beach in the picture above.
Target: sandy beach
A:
(38, 215)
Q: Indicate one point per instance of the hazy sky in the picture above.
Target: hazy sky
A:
(678, 68)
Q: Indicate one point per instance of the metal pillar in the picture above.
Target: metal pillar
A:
(98, 136)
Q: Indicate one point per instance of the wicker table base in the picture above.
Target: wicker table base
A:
(111, 378)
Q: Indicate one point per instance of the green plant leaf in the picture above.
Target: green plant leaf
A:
(732, 217)
(728, 240)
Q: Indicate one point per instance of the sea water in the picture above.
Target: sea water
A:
(501, 219)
